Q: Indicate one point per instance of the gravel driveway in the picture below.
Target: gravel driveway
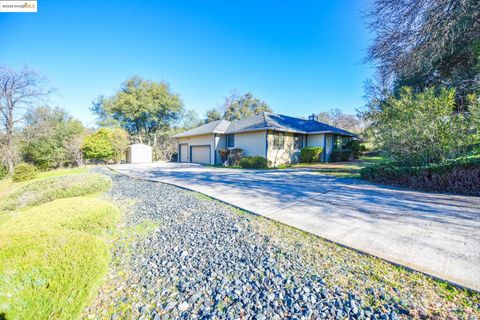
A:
(182, 255)
(207, 261)
(438, 234)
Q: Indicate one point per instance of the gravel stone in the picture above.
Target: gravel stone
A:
(206, 261)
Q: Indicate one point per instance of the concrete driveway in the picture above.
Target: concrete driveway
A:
(438, 234)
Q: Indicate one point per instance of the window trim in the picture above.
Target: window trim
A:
(277, 137)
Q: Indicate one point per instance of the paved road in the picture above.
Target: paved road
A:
(438, 234)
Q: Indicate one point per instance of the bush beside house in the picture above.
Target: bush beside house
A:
(456, 176)
(357, 148)
(256, 162)
(340, 155)
(310, 154)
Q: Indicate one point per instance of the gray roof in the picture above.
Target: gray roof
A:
(264, 121)
(218, 126)
(273, 121)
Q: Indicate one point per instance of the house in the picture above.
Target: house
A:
(276, 137)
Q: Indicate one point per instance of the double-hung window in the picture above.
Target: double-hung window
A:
(279, 140)
(230, 140)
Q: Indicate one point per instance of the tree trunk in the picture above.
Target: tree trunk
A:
(9, 128)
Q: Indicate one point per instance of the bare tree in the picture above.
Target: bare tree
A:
(423, 43)
(18, 90)
(336, 118)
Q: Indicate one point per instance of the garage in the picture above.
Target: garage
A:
(183, 154)
(200, 154)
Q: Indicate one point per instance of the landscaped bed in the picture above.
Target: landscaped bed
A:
(177, 253)
(53, 255)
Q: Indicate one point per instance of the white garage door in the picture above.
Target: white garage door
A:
(183, 153)
(201, 154)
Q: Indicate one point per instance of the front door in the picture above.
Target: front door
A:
(183, 153)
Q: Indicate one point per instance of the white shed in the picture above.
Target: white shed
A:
(139, 153)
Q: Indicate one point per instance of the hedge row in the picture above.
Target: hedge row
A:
(256, 162)
(340, 155)
(459, 176)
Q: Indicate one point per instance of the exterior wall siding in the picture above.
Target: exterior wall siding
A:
(317, 140)
(203, 140)
(286, 155)
(252, 143)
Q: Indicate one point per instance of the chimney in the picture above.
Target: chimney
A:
(313, 117)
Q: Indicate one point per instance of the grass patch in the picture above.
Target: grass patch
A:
(53, 256)
(341, 169)
(61, 172)
(6, 183)
(48, 189)
(90, 215)
(49, 275)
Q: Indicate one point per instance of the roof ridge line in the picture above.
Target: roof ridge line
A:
(264, 119)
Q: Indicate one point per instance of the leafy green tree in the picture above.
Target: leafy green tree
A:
(106, 144)
(141, 107)
(212, 115)
(238, 107)
(49, 138)
(424, 128)
(191, 120)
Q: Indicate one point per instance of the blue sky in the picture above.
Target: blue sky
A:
(299, 56)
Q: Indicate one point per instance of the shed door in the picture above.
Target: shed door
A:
(201, 154)
(183, 153)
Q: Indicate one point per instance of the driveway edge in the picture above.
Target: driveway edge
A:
(455, 284)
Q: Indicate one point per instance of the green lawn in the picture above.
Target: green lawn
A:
(55, 251)
(7, 184)
(349, 169)
(47, 189)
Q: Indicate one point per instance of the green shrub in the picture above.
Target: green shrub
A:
(421, 128)
(46, 190)
(458, 176)
(357, 148)
(3, 171)
(256, 162)
(310, 154)
(108, 145)
(23, 172)
(340, 155)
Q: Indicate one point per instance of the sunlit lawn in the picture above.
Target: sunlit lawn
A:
(54, 251)
(7, 184)
(350, 169)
